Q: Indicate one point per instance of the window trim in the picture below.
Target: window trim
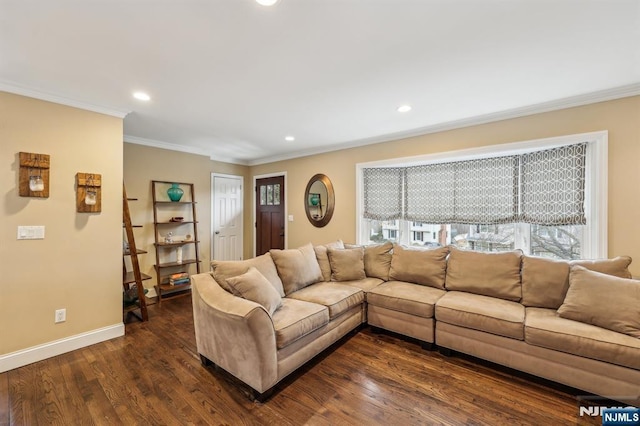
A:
(595, 244)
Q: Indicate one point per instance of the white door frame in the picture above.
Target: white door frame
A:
(213, 211)
(286, 207)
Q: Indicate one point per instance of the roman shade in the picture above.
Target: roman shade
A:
(545, 187)
(383, 189)
(481, 191)
(552, 186)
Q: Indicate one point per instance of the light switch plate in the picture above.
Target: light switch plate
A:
(290, 218)
(31, 232)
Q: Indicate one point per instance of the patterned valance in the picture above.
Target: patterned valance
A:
(544, 187)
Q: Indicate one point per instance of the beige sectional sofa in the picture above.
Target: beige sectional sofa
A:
(576, 323)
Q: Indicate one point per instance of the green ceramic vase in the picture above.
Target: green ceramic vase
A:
(175, 192)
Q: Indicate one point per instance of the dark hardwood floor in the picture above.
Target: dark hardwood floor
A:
(153, 375)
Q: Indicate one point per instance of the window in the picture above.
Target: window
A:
(546, 197)
(270, 195)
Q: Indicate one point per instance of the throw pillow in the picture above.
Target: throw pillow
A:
(347, 264)
(419, 266)
(297, 268)
(377, 259)
(603, 300)
(487, 274)
(252, 285)
(618, 266)
(223, 269)
(323, 258)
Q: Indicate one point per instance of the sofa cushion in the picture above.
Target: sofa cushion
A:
(414, 299)
(365, 285)
(252, 285)
(297, 267)
(618, 266)
(338, 298)
(296, 319)
(543, 327)
(603, 300)
(346, 264)
(488, 274)
(544, 281)
(377, 259)
(419, 266)
(323, 258)
(223, 269)
(495, 316)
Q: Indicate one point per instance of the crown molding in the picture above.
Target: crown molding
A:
(181, 148)
(558, 104)
(11, 87)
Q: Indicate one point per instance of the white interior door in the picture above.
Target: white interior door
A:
(227, 212)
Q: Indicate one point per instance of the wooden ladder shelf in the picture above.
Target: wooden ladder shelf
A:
(133, 277)
(176, 230)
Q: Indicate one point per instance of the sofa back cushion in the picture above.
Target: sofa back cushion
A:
(252, 285)
(297, 268)
(544, 282)
(419, 266)
(377, 259)
(488, 274)
(617, 267)
(347, 264)
(323, 258)
(223, 269)
(603, 300)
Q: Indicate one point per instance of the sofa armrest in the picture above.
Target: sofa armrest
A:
(235, 333)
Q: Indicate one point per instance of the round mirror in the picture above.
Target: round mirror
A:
(319, 200)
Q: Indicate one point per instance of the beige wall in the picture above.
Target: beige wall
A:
(620, 117)
(143, 164)
(78, 264)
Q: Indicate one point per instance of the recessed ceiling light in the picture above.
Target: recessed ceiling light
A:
(141, 96)
(267, 2)
(404, 108)
(289, 138)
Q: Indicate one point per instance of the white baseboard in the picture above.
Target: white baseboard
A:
(47, 350)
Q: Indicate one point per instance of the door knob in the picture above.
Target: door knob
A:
(217, 232)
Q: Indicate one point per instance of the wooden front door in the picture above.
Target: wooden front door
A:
(269, 214)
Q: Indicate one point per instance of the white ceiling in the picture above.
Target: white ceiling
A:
(231, 78)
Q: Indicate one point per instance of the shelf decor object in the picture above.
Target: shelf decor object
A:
(175, 193)
(34, 175)
(88, 193)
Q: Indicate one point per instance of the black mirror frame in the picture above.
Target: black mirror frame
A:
(330, 200)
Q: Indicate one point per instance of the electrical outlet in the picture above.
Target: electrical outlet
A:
(61, 315)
